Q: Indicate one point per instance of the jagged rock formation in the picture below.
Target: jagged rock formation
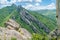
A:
(27, 18)
(10, 31)
(11, 24)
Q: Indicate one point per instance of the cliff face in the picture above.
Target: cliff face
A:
(28, 18)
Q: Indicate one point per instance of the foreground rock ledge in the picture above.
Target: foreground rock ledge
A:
(7, 34)
(10, 32)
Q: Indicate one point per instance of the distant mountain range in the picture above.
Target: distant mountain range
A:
(49, 13)
(42, 21)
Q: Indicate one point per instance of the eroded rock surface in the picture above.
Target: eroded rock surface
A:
(10, 31)
(11, 24)
(28, 18)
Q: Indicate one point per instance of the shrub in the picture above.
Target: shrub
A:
(39, 37)
(13, 38)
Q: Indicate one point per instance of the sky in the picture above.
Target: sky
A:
(30, 4)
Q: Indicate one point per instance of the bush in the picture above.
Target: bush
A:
(13, 38)
(39, 37)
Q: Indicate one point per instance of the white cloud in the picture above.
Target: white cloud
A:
(38, 0)
(37, 4)
(24, 0)
(3, 1)
(28, 0)
(19, 0)
(51, 6)
(28, 6)
(39, 7)
(12, 1)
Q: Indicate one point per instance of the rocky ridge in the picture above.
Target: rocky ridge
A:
(29, 19)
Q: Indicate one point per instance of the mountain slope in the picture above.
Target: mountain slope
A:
(5, 13)
(49, 13)
(32, 21)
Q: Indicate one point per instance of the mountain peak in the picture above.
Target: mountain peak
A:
(13, 5)
(19, 8)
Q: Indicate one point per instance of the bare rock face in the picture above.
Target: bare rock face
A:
(28, 18)
(10, 32)
(11, 24)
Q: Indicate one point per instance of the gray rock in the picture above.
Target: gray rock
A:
(28, 18)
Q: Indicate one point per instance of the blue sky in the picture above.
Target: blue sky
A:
(30, 4)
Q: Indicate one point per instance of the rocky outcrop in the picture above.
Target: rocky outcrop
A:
(28, 18)
(7, 34)
(27, 21)
(10, 31)
(11, 24)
